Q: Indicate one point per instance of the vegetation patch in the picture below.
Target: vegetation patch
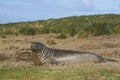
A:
(27, 31)
(63, 36)
(51, 42)
(45, 73)
(2, 58)
(81, 26)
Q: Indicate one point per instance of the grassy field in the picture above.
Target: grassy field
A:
(106, 46)
(62, 72)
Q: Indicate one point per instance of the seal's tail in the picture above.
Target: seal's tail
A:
(110, 60)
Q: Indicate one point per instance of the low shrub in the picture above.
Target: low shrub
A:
(51, 42)
(82, 34)
(27, 31)
(63, 36)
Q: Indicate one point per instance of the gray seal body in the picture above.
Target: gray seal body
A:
(42, 54)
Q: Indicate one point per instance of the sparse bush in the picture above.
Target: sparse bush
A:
(97, 29)
(3, 36)
(16, 34)
(71, 31)
(51, 42)
(63, 36)
(117, 28)
(102, 29)
(43, 30)
(82, 34)
(56, 30)
(2, 32)
(8, 32)
(27, 31)
(2, 57)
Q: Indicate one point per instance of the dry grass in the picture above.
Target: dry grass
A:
(106, 46)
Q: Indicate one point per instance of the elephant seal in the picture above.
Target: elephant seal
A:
(42, 54)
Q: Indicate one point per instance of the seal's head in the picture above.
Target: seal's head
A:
(37, 46)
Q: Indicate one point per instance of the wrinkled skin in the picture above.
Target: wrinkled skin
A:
(40, 53)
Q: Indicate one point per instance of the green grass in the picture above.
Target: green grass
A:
(46, 73)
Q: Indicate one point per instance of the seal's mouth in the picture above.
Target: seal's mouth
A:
(35, 48)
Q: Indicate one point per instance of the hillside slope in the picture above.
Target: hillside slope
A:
(80, 26)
